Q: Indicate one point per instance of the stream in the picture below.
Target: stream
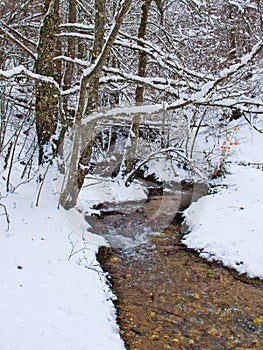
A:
(167, 296)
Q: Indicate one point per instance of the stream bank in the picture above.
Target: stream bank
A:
(169, 298)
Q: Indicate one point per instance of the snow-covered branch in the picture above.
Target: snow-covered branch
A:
(79, 62)
(179, 153)
(96, 67)
(198, 98)
(227, 73)
(159, 83)
(162, 58)
(77, 26)
(22, 70)
(76, 35)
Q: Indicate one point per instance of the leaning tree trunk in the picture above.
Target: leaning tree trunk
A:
(83, 138)
(90, 78)
(46, 93)
(93, 92)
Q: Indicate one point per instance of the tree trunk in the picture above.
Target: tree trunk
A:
(68, 78)
(84, 136)
(130, 152)
(46, 94)
(100, 22)
(100, 54)
(142, 55)
(72, 18)
(93, 92)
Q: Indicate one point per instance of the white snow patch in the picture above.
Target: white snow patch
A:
(49, 301)
(227, 226)
(98, 190)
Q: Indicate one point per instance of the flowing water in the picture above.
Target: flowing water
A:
(168, 297)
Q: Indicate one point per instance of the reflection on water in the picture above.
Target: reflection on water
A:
(129, 224)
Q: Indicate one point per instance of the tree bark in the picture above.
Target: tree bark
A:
(46, 94)
(102, 57)
(68, 76)
(84, 137)
(130, 152)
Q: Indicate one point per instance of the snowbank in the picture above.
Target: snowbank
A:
(227, 226)
(53, 293)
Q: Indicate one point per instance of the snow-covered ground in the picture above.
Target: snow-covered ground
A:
(227, 226)
(53, 293)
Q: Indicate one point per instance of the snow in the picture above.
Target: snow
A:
(227, 226)
(22, 70)
(97, 190)
(241, 5)
(123, 111)
(53, 292)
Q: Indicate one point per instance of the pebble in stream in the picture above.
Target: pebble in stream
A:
(169, 298)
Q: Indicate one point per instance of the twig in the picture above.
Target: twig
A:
(21, 183)
(6, 215)
(158, 308)
(73, 245)
(253, 126)
(41, 184)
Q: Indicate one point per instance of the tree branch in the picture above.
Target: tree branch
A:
(96, 67)
(18, 43)
(14, 31)
(22, 70)
(6, 215)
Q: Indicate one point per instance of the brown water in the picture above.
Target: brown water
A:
(169, 298)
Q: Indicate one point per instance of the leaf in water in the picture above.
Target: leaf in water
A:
(258, 320)
(114, 259)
